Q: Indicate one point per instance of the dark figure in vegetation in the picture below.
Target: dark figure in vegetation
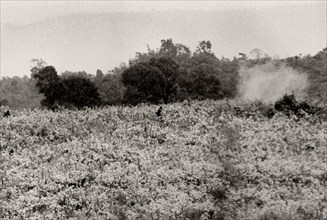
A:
(238, 112)
(270, 113)
(54, 107)
(6, 114)
(158, 113)
(309, 147)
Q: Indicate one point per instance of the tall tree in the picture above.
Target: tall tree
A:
(144, 83)
(169, 68)
(48, 83)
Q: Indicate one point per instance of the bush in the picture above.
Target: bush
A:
(289, 105)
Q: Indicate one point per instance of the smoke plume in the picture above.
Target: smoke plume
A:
(268, 82)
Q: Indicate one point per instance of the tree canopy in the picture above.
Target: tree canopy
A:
(144, 83)
(168, 74)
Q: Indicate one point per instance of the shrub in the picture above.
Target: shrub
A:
(289, 105)
(286, 103)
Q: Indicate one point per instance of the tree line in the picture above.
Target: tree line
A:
(169, 74)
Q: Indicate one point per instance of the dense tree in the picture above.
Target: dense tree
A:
(154, 81)
(17, 92)
(228, 76)
(224, 71)
(169, 69)
(111, 88)
(78, 91)
(179, 53)
(205, 83)
(168, 74)
(203, 76)
(49, 84)
(144, 83)
(69, 90)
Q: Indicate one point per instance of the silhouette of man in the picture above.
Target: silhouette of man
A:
(6, 114)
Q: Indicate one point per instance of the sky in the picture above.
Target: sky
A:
(268, 34)
(27, 11)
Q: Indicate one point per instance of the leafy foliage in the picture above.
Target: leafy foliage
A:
(79, 92)
(204, 83)
(48, 84)
(178, 74)
(150, 82)
(111, 88)
(169, 69)
(69, 90)
(289, 105)
(20, 93)
(199, 76)
(204, 47)
(201, 162)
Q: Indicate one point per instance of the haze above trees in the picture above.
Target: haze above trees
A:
(87, 42)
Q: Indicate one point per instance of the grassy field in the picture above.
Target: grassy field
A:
(200, 161)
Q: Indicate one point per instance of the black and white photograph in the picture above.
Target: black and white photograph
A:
(163, 110)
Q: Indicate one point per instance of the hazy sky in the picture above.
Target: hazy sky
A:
(25, 12)
(62, 44)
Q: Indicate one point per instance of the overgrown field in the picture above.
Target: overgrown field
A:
(201, 161)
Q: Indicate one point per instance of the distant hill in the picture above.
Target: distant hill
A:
(102, 41)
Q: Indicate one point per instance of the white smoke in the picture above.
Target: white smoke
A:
(268, 82)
